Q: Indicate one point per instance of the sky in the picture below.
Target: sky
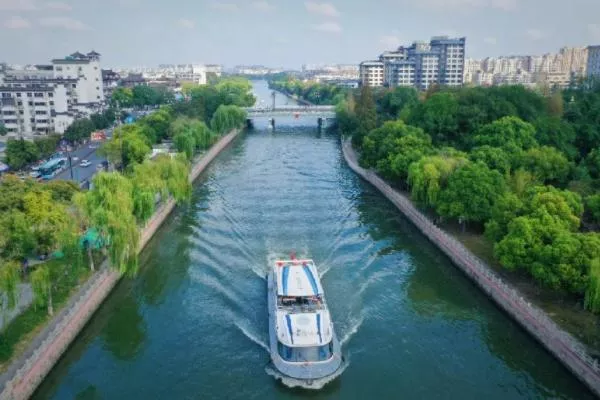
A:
(284, 33)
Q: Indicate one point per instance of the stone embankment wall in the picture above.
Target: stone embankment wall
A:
(27, 373)
(563, 346)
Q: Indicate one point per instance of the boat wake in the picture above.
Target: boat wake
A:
(353, 329)
(253, 337)
(299, 383)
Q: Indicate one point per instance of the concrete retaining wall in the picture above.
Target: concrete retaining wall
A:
(563, 346)
(27, 373)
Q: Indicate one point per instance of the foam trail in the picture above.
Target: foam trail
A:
(252, 337)
(353, 330)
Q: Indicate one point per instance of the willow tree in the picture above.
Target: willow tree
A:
(147, 184)
(174, 172)
(41, 284)
(9, 284)
(592, 294)
(109, 208)
(227, 118)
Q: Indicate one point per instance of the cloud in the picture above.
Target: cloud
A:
(534, 34)
(263, 6)
(17, 5)
(326, 9)
(390, 42)
(505, 5)
(225, 7)
(186, 23)
(490, 40)
(329, 27)
(63, 23)
(594, 31)
(58, 5)
(17, 22)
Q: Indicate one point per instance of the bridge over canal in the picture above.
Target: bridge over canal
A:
(320, 113)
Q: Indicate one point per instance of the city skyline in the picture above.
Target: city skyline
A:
(284, 33)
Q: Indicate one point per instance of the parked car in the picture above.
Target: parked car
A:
(75, 158)
(85, 163)
(35, 174)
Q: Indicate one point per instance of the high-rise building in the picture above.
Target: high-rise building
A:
(42, 99)
(593, 61)
(440, 61)
(371, 73)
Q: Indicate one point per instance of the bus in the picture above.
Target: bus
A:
(52, 167)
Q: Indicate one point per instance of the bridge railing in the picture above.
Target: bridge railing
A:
(290, 108)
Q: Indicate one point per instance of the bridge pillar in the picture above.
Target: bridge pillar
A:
(320, 122)
(249, 123)
(272, 123)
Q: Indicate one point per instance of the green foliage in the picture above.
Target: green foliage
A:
(366, 115)
(62, 191)
(47, 145)
(592, 205)
(397, 102)
(41, 284)
(428, 176)
(509, 133)
(109, 207)
(9, 283)
(122, 98)
(471, 192)
(547, 164)
(155, 126)
(227, 118)
(438, 117)
(507, 207)
(592, 293)
(79, 130)
(553, 131)
(21, 152)
(494, 157)
(128, 145)
(313, 92)
(592, 163)
(143, 95)
(3, 130)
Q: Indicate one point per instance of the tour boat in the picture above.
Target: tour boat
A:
(303, 344)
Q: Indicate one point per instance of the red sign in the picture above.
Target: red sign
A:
(97, 136)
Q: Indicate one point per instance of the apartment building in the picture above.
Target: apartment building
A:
(439, 61)
(593, 61)
(371, 73)
(43, 99)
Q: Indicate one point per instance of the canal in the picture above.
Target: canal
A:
(193, 324)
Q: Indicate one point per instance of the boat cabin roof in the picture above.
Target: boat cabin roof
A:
(304, 330)
(297, 278)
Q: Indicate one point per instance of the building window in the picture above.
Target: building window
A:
(18, 94)
(50, 94)
(51, 103)
(29, 94)
(59, 68)
(38, 95)
(30, 103)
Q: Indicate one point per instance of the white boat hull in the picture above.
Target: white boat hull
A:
(309, 374)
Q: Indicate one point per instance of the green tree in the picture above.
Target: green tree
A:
(21, 152)
(226, 118)
(428, 176)
(471, 192)
(3, 130)
(510, 133)
(9, 284)
(122, 98)
(507, 207)
(366, 115)
(553, 131)
(592, 293)
(109, 208)
(16, 238)
(494, 157)
(394, 101)
(437, 116)
(128, 145)
(79, 130)
(592, 205)
(41, 284)
(547, 164)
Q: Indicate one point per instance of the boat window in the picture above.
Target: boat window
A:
(305, 354)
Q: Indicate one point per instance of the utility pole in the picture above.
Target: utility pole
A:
(273, 96)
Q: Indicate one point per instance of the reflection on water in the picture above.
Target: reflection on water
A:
(193, 324)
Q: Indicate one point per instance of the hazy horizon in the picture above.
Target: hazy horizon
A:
(284, 33)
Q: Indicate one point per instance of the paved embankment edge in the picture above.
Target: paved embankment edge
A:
(562, 345)
(25, 374)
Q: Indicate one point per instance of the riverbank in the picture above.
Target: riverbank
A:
(27, 372)
(558, 342)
